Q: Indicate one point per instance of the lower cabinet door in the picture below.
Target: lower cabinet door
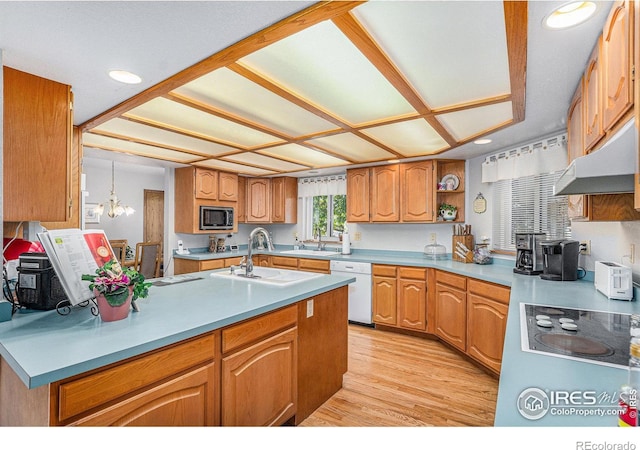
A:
(412, 299)
(187, 400)
(451, 315)
(487, 320)
(385, 300)
(259, 383)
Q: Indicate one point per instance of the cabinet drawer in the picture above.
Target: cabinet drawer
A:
(413, 273)
(457, 281)
(86, 392)
(228, 262)
(314, 265)
(284, 261)
(212, 264)
(384, 271)
(490, 290)
(254, 329)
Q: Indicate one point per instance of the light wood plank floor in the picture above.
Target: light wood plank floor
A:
(399, 380)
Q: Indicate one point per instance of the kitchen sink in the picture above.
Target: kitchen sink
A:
(268, 275)
(310, 252)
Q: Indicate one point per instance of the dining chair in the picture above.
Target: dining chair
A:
(119, 247)
(148, 257)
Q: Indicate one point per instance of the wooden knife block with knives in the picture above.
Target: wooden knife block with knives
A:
(462, 244)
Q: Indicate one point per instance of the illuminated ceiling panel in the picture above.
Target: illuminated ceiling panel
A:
(410, 138)
(340, 83)
(303, 155)
(322, 65)
(133, 148)
(177, 116)
(228, 91)
(152, 135)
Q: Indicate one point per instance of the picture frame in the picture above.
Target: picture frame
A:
(90, 216)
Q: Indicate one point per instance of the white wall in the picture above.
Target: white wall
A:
(130, 182)
(610, 241)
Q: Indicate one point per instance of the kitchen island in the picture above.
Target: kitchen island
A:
(76, 369)
(522, 370)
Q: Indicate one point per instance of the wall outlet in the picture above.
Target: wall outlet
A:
(309, 308)
(585, 247)
(357, 236)
(432, 238)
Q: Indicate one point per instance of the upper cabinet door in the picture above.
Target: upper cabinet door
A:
(385, 197)
(258, 200)
(591, 98)
(358, 195)
(37, 148)
(417, 192)
(207, 184)
(617, 49)
(577, 203)
(227, 187)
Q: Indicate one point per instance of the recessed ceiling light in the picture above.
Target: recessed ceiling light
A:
(125, 77)
(482, 141)
(569, 14)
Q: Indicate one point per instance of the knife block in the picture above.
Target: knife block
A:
(467, 241)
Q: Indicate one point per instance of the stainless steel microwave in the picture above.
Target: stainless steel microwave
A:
(216, 218)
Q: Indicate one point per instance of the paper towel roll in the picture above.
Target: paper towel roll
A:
(346, 244)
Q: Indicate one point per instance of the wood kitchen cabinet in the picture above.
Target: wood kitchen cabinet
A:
(417, 200)
(175, 386)
(617, 66)
(399, 296)
(241, 209)
(196, 187)
(384, 292)
(37, 134)
(259, 370)
(385, 194)
(358, 195)
(577, 209)
(305, 264)
(487, 306)
(412, 298)
(182, 265)
(451, 308)
(593, 131)
(373, 194)
(284, 200)
(258, 200)
(403, 193)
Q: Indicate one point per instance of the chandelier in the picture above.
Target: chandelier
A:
(115, 208)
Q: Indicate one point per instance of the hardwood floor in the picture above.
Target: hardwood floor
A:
(399, 380)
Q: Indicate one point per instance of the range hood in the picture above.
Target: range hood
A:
(609, 170)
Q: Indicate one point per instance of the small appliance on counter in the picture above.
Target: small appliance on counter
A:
(38, 285)
(560, 260)
(529, 253)
(613, 280)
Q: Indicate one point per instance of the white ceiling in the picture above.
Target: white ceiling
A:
(78, 42)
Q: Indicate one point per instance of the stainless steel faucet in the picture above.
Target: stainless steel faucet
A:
(320, 244)
(248, 265)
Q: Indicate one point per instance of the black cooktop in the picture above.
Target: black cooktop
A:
(596, 337)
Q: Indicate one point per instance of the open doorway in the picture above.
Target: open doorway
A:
(154, 218)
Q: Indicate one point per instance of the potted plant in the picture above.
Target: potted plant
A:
(115, 288)
(448, 212)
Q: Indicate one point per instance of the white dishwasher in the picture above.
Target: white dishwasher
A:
(360, 310)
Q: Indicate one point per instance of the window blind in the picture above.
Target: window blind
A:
(527, 204)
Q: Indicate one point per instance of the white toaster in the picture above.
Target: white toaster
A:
(614, 280)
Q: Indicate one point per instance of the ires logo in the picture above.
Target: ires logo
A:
(535, 403)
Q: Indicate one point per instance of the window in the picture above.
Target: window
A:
(329, 213)
(527, 204)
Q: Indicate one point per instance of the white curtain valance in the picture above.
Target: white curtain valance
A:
(328, 185)
(547, 156)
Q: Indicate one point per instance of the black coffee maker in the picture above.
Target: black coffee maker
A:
(560, 260)
(529, 253)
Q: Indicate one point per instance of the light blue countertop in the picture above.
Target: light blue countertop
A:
(522, 370)
(44, 346)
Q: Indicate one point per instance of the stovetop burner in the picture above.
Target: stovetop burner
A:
(591, 336)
